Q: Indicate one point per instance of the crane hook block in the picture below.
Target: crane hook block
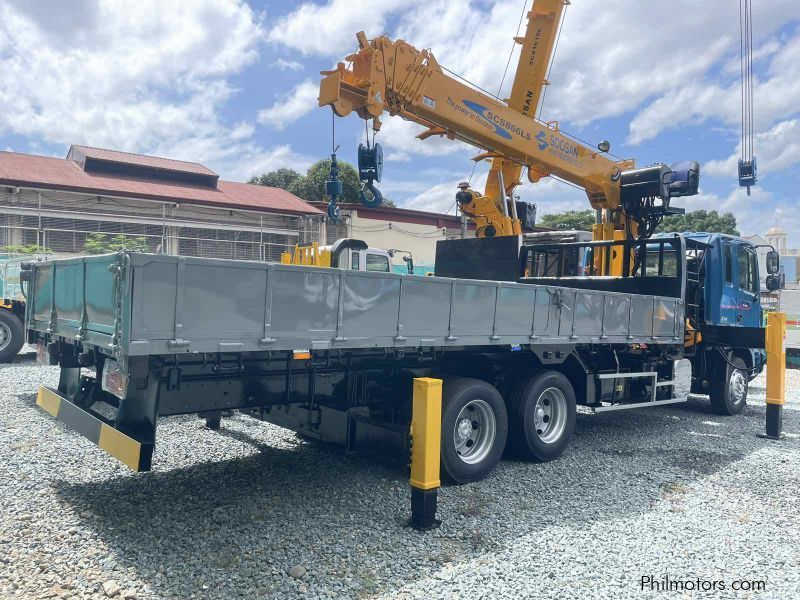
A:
(333, 189)
(748, 173)
(370, 162)
(370, 169)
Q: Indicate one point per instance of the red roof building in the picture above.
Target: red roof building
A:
(120, 174)
(158, 204)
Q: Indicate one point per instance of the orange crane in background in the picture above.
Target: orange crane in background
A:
(394, 77)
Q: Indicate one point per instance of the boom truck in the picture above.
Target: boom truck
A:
(520, 333)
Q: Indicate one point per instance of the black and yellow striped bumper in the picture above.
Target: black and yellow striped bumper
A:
(134, 453)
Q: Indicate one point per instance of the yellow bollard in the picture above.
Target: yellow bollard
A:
(776, 374)
(426, 434)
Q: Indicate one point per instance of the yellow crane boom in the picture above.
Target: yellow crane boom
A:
(538, 44)
(393, 76)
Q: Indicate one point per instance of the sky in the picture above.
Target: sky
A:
(233, 85)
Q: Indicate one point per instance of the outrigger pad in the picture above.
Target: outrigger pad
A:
(136, 454)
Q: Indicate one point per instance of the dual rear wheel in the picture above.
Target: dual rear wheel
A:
(536, 422)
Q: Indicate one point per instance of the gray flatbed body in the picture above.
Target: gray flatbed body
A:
(133, 304)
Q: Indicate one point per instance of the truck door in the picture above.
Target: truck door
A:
(747, 313)
(728, 306)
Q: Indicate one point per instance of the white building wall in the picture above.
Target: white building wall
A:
(418, 239)
(778, 241)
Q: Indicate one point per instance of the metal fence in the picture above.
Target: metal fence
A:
(34, 223)
(208, 243)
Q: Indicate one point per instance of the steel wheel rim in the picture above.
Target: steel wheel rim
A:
(737, 385)
(550, 415)
(5, 336)
(474, 431)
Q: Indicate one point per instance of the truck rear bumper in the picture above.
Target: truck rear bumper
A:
(136, 454)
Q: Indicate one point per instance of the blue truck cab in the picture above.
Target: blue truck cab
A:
(732, 288)
(724, 330)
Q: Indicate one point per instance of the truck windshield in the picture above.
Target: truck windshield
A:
(377, 262)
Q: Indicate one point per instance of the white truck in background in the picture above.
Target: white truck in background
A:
(12, 307)
(349, 254)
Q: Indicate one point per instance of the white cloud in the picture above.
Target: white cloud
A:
(438, 198)
(549, 195)
(777, 149)
(552, 196)
(294, 105)
(441, 197)
(399, 139)
(287, 65)
(146, 77)
(330, 28)
(609, 61)
(750, 213)
(777, 96)
(613, 60)
(237, 162)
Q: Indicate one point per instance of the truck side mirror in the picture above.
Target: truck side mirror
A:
(409, 264)
(773, 262)
(773, 282)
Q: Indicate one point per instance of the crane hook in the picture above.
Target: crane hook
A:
(370, 169)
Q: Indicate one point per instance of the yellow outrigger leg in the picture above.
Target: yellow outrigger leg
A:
(426, 439)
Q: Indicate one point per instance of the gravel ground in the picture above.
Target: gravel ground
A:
(671, 492)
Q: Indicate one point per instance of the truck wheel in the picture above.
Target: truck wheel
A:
(728, 390)
(541, 416)
(474, 429)
(12, 335)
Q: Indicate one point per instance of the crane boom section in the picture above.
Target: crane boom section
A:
(538, 43)
(393, 76)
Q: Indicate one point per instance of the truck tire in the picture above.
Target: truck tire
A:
(474, 429)
(728, 388)
(541, 416)
(12, 335)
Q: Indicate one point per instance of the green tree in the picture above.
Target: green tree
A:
(581, 220)
(700, 220)
(282, 178)
(311, 186)
(99, 243)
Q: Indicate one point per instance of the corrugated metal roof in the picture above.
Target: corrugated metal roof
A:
(60, 174)
(155, 162)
